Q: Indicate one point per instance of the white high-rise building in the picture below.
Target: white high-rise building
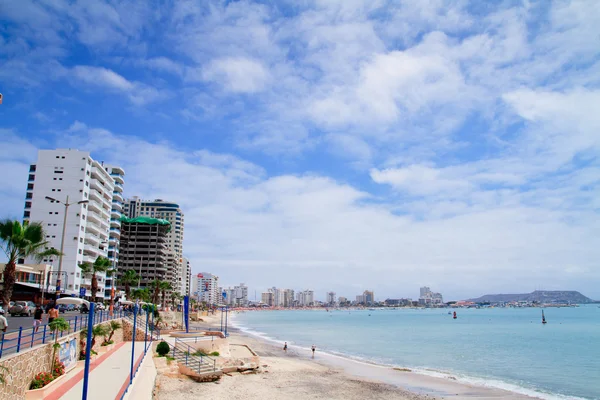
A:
(208, 288)
(73, 176)
(288, 298)
(135, 207)
(305, 298)
(239, 295)
(116, 212)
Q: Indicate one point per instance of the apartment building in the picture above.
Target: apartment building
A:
(171, 212)
(143, 248)
(186, 277)
(116, 212)
(68, 176)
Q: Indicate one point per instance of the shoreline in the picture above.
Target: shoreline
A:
(397, 382)
(418, 384)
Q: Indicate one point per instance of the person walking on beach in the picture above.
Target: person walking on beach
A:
(285, 347)
(313, 348)
(37, 317)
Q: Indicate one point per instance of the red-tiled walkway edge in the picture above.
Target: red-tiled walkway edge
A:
(126, 383)
(68, 385)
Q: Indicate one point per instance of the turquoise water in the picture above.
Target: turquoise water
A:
(505, 348)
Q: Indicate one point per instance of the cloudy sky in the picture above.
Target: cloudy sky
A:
(334, 145)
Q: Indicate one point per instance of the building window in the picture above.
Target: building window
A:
(58, 172)
(87, 183)
(27, 204)
(31, 177)
(80, 251)
(56, 213)
(26, 214)
(77, 275)
(57, 157)
(30, 186)
(32, 168)
(29, 196)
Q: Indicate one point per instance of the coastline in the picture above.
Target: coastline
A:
(297, 376)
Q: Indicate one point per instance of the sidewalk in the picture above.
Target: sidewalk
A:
(109, 379)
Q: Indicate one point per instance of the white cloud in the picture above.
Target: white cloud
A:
(247, 225)
(108, 80)
(238, 75)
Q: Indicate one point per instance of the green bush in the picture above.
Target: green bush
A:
(214, 354)
(200, 353)
(163, 349)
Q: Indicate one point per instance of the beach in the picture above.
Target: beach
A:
(295, 375)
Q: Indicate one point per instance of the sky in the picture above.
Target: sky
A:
(335, 145)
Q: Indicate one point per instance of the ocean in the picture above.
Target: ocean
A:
(500, 347)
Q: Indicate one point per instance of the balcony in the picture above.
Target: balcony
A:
(91, 251)
(115, 223)
(115, 232)
(118, 178)
(92, 239)
(117, 205)
(118, 170)
(94, 205)
(117, 196)
(118, 187)
(115, 213)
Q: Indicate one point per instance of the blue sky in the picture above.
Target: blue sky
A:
(332, 145)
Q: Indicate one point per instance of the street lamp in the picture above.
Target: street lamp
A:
(62, 240)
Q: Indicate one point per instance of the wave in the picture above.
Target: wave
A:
(456, 377)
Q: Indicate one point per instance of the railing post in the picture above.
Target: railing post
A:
(44, 335)
(32, 336)
(88, 351)
(2, 344)
(199, 362)
(75, 329)
(146, 334)
(133, 344)
(186, 358)
(19, 340)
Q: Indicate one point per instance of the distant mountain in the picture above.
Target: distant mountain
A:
(541, 296)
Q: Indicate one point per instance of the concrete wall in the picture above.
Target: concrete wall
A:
(22, 367)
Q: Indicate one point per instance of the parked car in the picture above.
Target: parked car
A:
(23, 308)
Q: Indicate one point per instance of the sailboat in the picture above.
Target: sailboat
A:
(543, 318)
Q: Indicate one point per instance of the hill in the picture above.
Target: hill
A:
(541, 296)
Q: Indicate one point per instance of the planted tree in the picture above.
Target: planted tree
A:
(140, 294)
(163, 348)
(58, 325)
(155, 287)
(102, 264)
(21, 241)
(112, 327)
(165, 287)
(128, 279)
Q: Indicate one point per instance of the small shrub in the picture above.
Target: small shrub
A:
(163, 349)
(214, 354)
(107, 343)
(41, 380)
(200, 353)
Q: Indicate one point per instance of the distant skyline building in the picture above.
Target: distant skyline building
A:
(267, 298)
(342, 299)
(330, 298)
(186, 277)
(158, 208)
(208, 288)
(305, 298)
(71, 173)
(427, 297)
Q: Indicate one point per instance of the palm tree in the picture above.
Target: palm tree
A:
(102, 264)
(140, 294)
(175, 297)
(128, 279)
(21, 241)
(165, 287)
(155, 285)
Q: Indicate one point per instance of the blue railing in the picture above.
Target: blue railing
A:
(24, 338)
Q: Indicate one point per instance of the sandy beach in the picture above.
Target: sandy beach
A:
(295, 375)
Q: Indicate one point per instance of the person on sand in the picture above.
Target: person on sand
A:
(285, 347)
(313, 348)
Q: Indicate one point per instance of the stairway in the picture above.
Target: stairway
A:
(198, 365)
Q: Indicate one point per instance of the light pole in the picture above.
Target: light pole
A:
(62, 239)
